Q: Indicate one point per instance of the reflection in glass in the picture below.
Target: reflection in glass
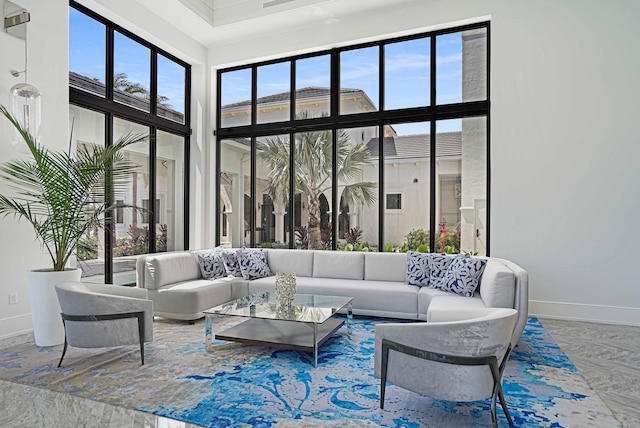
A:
(235, 192)
(171, 87)
(313, 82)
(406, 74)
(305, 307)
(272, 191)
(406, 186)
(170, 192)
(131, 72)
(274, 86)
(359, 77)
(235, 98)
(88, 131)
(87, 45)
(131, 237)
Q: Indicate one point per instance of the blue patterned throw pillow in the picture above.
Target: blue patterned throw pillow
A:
(231, 264)
(463, 276)
(438, 265)
(253, 264)
(417, 269)
(212, 265)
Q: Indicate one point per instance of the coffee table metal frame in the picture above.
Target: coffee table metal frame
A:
(304, 326)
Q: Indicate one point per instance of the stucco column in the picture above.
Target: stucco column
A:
(279, 213)
(474, 142)
(353, 217)
(237, 217)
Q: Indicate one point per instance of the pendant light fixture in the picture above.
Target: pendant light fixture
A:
(26, 101)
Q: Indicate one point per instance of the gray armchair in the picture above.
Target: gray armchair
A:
(98, 315)
(454, 360)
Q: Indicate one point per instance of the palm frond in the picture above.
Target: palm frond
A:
(363, 193)
(63, 195)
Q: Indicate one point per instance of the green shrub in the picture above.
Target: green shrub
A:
(417, 237)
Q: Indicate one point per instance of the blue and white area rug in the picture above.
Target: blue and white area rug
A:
(254, 386)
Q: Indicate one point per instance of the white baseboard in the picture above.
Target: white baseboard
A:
(15, 330)
(585, 312)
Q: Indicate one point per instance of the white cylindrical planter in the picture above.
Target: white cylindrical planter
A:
(48, 329)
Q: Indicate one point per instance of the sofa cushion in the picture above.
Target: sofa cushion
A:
(253, 263)
(385, 266)
(463, 276)
(338, 264)
(190, 297)
(425, 297)
(298, 261)
(453, 307)
(417, 269)
(164, 269)
(497, 286)
(211, 264)
(370, 298)
(230, 260)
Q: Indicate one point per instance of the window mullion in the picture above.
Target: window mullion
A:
(432, 150)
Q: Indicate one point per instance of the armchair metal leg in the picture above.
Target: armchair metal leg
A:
(497, 373)
(383, 371)
(503, 403)
(138, 315)
(490, 361)
(64, 349)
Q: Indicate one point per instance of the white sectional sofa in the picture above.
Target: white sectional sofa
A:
(376, 281)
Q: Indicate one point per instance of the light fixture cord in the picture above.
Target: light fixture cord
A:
(26, 43)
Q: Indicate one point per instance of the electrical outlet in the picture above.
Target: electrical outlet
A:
(13, 298)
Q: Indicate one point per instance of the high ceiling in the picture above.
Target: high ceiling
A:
(213, 21)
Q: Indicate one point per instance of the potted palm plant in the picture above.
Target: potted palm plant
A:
(61, 195)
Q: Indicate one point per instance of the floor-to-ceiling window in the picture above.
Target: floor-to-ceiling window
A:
(121, 85)
(382, 146)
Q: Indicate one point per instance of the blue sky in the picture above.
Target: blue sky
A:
(407, 68)
(87, 57)
(406, 71)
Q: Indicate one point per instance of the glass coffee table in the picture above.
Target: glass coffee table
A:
(303, 326)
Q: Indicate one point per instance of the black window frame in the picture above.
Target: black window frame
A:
(113, 109)
(432, 113)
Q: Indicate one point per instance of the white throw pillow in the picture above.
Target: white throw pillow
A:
(253, 264)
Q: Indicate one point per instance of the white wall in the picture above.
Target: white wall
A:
(48, 70)
(564, 144)
(565, 154)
